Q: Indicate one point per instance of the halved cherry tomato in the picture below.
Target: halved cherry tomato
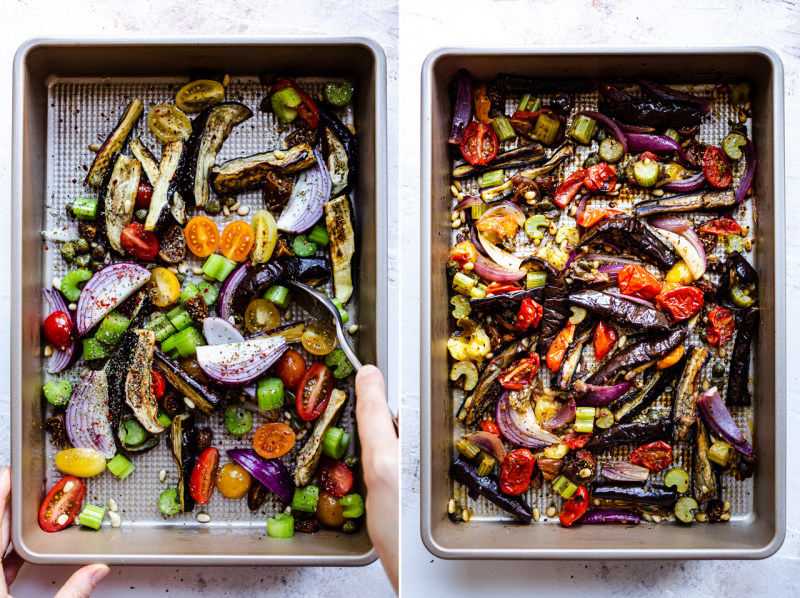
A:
(503, 226)
(319, 339)
(314, 391)
(204, 475)
(555, 355)
(164, 287)
(482, 105)
(159, 383)
(529, 316)
(575, 507)
(202, 236)
(670, 358)
(569, 188)
(521, 373)
(721, 226)
(290, 368)
(237, 240)
(57, 328)
(60, 502)
(716, 169)
(605, 337)
(524, 124)
(335, 477)
(655, 456)
(463, 252)
(198, 95)
(636, 281)
(497, 288)
(490, 426)
(140, 243)
(576, 441)
(143, 194)
(648, 156)
(591, 217)
(329, 511)
(516, 471)
(682, 302)
(479, 145)
(721, 326)
(273, 440)
(307, 110)
(168, 123)
(601, 178)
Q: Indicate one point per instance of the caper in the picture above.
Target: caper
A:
(546, 203)
(82, 246)
(68, 251)
(96, 265)
(591, 160)
(69, 209)
(266, 104)
(653, 415)
(227, 200)
(83, 260)
(600, 134)
(180, 277)
(141, 214)
(718, 382)
(213, 206)
(351, 526)
(718, 370)
(351, 461)
(99, 252)
(453, 268)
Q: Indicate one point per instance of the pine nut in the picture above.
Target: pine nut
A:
(107, 259)
(551, 511)
(243, 211)
(657, 192)
(72, 306)
(183, 268)
(352, 129)
(657, 518)
(353, 329)
(705, 385)
(451, 506)
(57, 282)
(623, 340)
(112, 505)
(453, 190)
(647, 517)
(235, 206)
(189, 402)
(48, 351)
(226, 211)
(727, 506)
(208, 278)
(203, 517)
(489, 355)
(456, 224)
(530, 195)
(68, 486)
(553, 228)
(279, 155)
(748, 244)
(469, 266)
(94, 147)
(287, 315)
(458, 185)
(725, 516)
(115, 519)
(573, 211)
(701, 517)
(226, 80)
(62, 519)
(722, 352)
(744, 231)
(197, 270)
(162, 475)
(536, 514)
(465, 514)
(173, 269)
(454, 216)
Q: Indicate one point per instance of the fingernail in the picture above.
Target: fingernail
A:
(100, 574)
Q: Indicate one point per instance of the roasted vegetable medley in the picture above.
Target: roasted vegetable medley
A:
(174, 318)
(604, 307)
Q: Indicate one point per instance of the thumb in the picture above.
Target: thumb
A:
(83, 581)
(375, 426)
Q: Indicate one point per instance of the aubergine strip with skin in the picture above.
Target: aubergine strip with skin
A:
(348, 141)
(659, 114)
(166, 185)
(139, 449)
(684, 405)
(632, 492)
(151, 170)
(488, 389)
(561, 153)
(114, 143)
(643, 318)
(514, 84)
(737, 272)
(640, 399)
(209, 131)
(629, 232)
(631, 433)
(205, 397)
(555, 308)
(637, 354)
(120, 193)
(503, 301)
(284, 268)
(336, 160)
(308, 456)
(573, 359)
(184, 441)
(488, 486)
(239, 174)
(715, 200)
(704, 480)
(513, 158)
(139, 382)
(339, 224)
(740, 359)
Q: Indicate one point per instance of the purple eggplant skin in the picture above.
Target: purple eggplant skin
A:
(661, 114)
(736, 272)
(662, 92)
(348, 141)
(638, 354)
(631, 433)
(514, 84)
(629, 232)
(205, 397)
(640, 399)
(505, 301)
(185, 452)
(612, 94)
(621, 516)
(466, 473)
(645, 319)
(462, 111)
(656, 494)
(488, 389)
(555, 308)
(740, 359)
(285, 268)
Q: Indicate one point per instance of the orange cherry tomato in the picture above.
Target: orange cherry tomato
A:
(202, 236)
(273, 440)
(559, 347)
(237, 240)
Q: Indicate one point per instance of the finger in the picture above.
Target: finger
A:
(375, 427)
(5, 512)
(12, 563)
(83, 582)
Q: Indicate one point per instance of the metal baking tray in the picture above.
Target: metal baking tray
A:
(68, 91)
(757, 528)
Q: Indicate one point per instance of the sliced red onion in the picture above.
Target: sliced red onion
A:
(719, 420)
(601, 396)
(489, 443)
(623, 471)
(270, 472)
(673, 224)
(239, 364)
(496, 273)
(562, 416)
(631, 298)
(505, 208)
(610, 259)
(310, 192)
(693, 183)
(612, 271)
(662, 92)
(581, 208)
(61, 358)
(633, 128)
(612, 127)
(463, 110)
(570, 259)
(219, 331)
(87, 419)
(521, 430)
(468, 202)
(647, 142)
(608, 516)
(687, 244)
(105, 290)
(226, 293)
(64, 233)
(749, 170)
(499, 256)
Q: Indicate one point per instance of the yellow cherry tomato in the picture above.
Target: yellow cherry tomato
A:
(265, 232)
(261, 315)
(164, 287)
(680, 273)
(233, 480)
(199, 95)
(319, 339)
(168, 123)
(80, 462)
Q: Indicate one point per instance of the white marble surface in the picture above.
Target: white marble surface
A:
(426, 25)
(23, 19)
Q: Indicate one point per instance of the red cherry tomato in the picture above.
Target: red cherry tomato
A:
(601, 178)
(569, 188)
(204, 475)
(479, 145)
(57, 328)
(159, 384)
(290, 368)
(605, 337)
(721, 226)
(335, 477)
(636, 281)
(681, 302)
(716, 169)
(529, 316)
(655, 456)
(516, 471)
(140, 243)
(575, 507)
(144, 194)
(591, 217)
(60, 502)
(576, 441)
(721, 326)
(497, 288)
(490, 426)
(314, 391)
(521, 373)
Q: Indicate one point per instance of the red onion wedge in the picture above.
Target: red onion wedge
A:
(608, 516)
(623, 471)
(463, 110)
(647, 142)
(609, 124)
(105, 290)
(687, 244)
(501, 257)
(489, 443)
(87, 419)
(495, 273)
(505, 208)
(61, 358)
(600, 396)
(64, 233)
(662, 92)
(270, 472)
(749, 170)
(219, 331)
(469, 201)
(719, 420)
(310, 192)
(239, 364)
(228, 290)
(673, 224)
(562, 416)
(612, 271)
(693, 183)
(521, 429)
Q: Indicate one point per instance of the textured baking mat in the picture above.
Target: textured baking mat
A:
(715, 126)
(82, 112)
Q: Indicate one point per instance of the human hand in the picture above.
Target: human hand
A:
(80, 585)
(380, 458)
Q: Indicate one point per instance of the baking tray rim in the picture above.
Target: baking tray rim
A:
(426, 443)
(17, 176)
